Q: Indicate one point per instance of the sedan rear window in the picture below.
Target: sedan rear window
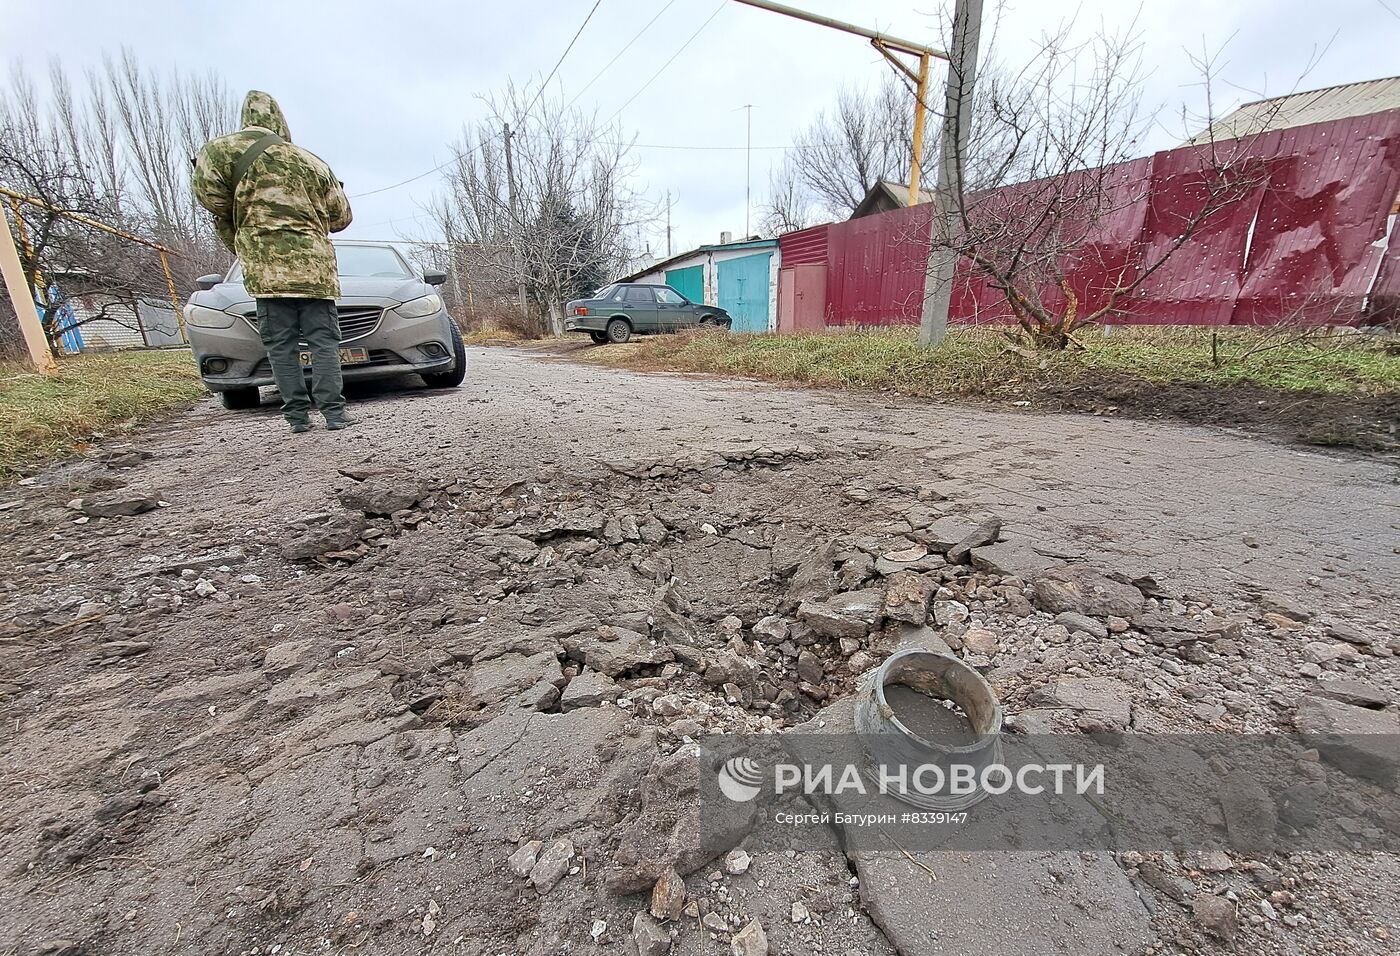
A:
(640, 295)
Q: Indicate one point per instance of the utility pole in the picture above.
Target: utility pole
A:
(516, 257)
(887, 46)
(668, 224)
(748, 164)
(952, 152)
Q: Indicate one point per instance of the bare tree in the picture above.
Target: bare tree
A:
(788, 208)
(159, 123)
(1048, 171)
(63, 260)
(553, 216)
(834, 162)
(119, 152)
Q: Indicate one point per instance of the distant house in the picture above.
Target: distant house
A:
(885, 196)
(739, 277)
(103, 324)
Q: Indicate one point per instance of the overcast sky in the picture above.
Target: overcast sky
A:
(380, 88)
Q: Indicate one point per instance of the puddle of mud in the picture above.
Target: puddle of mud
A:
(930, 717)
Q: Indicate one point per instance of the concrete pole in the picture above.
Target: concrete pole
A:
(957, 119)
(22, 298)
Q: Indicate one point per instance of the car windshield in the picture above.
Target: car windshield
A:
(362, 262)
(605, 292)
(370, 262)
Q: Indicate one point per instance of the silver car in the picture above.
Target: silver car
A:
(392, 322)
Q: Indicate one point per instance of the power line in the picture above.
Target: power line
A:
(634, 39)
(560, 61)
(457, 156)
(704, 147)
(648, 83)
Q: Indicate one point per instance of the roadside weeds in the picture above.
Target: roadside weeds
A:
(43, 417)
(1341, 390)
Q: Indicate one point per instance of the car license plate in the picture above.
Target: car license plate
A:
(347, 357)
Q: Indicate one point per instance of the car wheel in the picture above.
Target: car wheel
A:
(600, 338)
(459, 366)
(619, 331)
(241, 399)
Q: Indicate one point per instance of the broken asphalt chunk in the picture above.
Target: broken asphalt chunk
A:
(383, 494)
(336, 533)
(123, 503)
(1085, 591)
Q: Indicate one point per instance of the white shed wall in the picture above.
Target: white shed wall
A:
(709, 259)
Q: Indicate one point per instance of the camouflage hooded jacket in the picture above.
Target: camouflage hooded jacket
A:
(279, 218)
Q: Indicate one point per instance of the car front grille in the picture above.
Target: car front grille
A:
(356, 321)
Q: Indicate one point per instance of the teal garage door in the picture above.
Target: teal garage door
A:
(688, 282)
(743, 291)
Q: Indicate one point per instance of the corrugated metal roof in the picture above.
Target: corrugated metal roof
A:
(1304, 109)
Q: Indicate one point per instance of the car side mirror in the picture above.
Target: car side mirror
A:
(434, 276)
(205, 283)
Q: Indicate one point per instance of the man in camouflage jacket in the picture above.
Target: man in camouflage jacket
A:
(277, 219)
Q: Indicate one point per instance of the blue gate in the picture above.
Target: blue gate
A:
(743, 291)
(688, 282)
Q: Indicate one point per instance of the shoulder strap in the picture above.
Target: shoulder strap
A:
(250, 156)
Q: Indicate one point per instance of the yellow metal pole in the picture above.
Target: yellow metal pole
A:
(22, 298)
(174, 298)
(920, 98)
(85, 220)
(40, 285)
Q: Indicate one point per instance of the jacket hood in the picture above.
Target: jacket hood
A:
(262, 111)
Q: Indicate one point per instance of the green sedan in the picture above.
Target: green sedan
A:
(624, 309)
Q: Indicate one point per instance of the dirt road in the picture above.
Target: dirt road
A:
(320, 694)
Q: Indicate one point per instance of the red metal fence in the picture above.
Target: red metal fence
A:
(1308, 244)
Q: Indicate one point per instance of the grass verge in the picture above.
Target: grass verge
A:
(978, 362)
(1339, 390)
(45, 416)
(490, 336)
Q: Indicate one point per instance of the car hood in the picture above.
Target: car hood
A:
(354, 290)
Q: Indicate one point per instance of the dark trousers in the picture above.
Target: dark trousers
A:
(284, 325)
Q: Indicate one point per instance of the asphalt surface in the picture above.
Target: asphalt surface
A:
(268, 757)
(1202, 507)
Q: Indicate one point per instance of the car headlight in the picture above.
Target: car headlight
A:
(417, 308)
(204, 318)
